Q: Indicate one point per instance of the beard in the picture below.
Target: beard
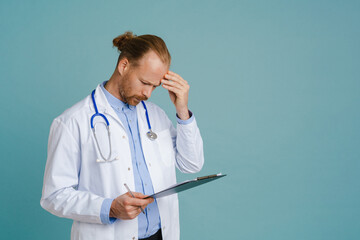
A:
(134, 100)
(131, 99)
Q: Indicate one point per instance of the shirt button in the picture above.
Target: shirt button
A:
(129, 169)
(123, 137)
(149, 164)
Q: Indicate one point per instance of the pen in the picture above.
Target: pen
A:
(133, 196)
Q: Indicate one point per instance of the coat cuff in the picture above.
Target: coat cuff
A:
(187, 121)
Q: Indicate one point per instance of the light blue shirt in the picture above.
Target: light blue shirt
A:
(149, 223)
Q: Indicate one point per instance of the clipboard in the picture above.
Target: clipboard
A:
(186, 185)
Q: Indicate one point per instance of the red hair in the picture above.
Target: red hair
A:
(135, 47)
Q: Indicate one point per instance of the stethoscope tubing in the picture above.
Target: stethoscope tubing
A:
(147, 115)
(96, 112)
(150, 134)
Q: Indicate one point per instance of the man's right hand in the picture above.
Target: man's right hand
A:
(126, 207)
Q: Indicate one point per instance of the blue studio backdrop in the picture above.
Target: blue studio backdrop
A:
(275, 89)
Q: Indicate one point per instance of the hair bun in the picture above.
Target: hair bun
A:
(122, 40)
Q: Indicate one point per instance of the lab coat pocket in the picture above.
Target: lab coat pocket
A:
(166, 148)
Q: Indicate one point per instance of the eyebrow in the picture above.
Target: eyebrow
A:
(150, 82)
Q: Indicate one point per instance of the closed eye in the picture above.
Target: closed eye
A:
(149, 84)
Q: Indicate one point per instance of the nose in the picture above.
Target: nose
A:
(147, 91)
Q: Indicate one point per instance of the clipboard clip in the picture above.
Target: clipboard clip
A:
(209, 176)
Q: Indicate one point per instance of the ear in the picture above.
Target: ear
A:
(123, 66)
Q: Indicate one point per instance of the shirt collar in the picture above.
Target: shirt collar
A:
(115, 102)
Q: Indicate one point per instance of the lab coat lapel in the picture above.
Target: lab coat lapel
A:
(141, 122)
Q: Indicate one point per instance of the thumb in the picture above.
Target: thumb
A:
(142, 196)
(139, 195)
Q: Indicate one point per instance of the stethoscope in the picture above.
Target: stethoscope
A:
(150, 134)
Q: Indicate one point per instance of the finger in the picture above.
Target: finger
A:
(142, 196)
(129, 209)
(144, 206)
(174, 84)
(172, 89)
(173, 73)
(176, 78)
(150, 200)
(139, 195)
(133, 214)
(137, 201)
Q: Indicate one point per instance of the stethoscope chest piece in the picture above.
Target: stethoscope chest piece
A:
(151, 135)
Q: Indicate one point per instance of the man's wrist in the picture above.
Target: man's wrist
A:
(187, 121)
(111, 213)
(183, 113)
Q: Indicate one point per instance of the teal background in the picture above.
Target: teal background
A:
(274, 87)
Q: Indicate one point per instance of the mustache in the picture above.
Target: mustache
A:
(141, 98)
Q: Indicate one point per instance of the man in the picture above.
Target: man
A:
(107, 141)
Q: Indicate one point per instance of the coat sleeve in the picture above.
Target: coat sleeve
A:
(60, 195)
(189, 147)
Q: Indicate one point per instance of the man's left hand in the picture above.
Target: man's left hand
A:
(179, 93)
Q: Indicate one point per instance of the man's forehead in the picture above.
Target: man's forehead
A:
(152, 69)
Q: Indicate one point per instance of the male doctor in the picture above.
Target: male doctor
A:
(87, 168)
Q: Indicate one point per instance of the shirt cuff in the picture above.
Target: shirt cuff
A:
(187, 121)
(105, 212)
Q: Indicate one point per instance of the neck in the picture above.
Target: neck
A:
(113, 85)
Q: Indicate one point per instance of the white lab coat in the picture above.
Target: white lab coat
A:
(75, 185)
